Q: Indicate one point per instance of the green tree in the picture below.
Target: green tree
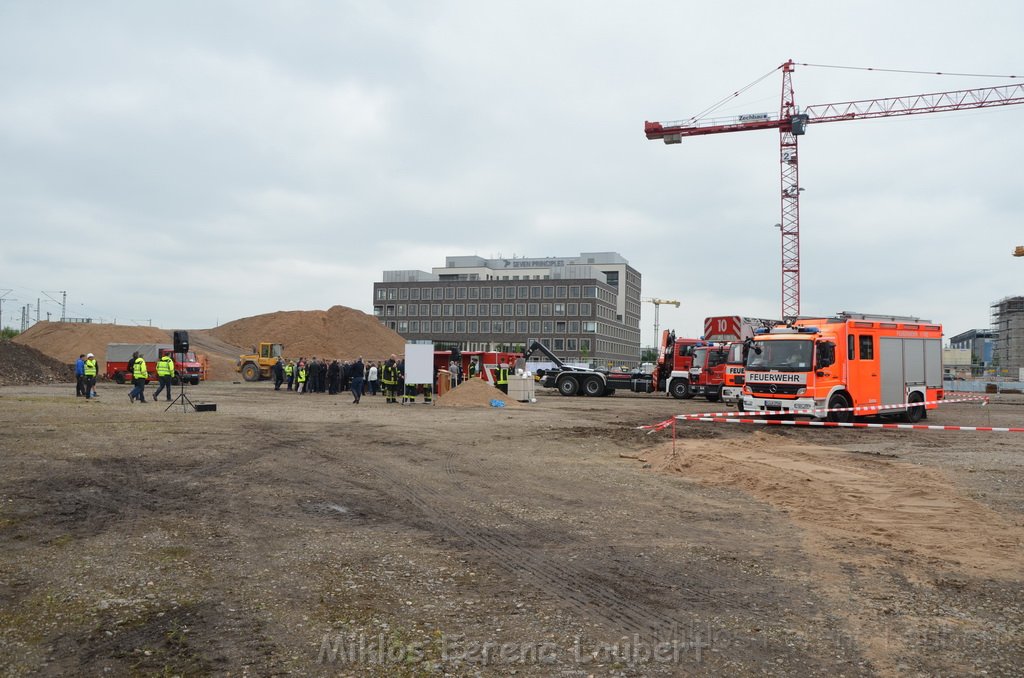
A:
(8, 333)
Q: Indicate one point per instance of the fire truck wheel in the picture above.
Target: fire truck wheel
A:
(250, 372)
(680, 388)
(592, 386)
(914, 414)
(840, 402)
(569, 386)
(713, 396)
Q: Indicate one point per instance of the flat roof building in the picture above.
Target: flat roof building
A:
(585, 308)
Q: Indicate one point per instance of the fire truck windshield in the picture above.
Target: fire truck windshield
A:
(785, 355)
(735, 354)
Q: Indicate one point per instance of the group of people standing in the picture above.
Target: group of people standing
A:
(85, 376)
(318, 375)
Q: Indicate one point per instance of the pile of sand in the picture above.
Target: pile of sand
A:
(474, 393)
(23, 365)
(66, 341)
(339, 332)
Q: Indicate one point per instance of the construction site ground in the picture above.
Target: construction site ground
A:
(305, 535)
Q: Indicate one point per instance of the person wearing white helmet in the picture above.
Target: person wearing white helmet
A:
(89, 371)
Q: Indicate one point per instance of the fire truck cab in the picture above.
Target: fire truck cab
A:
(824, 367)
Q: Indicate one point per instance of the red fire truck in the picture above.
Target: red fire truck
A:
(733, 330)
(480, 364)
(186, 367)
(822, 367)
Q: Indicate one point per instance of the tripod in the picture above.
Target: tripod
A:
(185, 402)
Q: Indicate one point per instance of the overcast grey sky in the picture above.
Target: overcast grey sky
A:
(191, 163)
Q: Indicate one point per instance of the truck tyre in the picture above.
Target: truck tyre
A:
(680, 388)
(195, 381)
(593, 386)
(250, 372)
(914, 413)
(119, 377)
(568, 386)
(839, 401)
(713, 395)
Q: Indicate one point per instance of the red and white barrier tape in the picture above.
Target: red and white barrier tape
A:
(842, 424)
(729, 417)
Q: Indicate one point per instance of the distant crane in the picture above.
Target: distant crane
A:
(658, 303)
(791, 123)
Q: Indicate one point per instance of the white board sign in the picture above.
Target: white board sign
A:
(419, 363)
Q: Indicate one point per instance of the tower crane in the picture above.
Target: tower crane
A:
(792, 123)
(657, 305)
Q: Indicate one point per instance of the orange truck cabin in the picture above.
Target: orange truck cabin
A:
(823, 367)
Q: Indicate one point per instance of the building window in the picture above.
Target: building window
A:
(438, 293)
(485, 292)
(533, 309)
(572, 309)
(585, 345)
(414, 294)
(470, 309)
(390, 310)
(460, 326)
(474, 292)
(485, 327)
(560, 327)
(545, 309)
(590, 326)
(403, 327)
(435, 309)
(510, 293)
(446, 310)
(401, 309)
(499, 292)
(473, 327)
(560, 292)
(392, 294)
(570, 344)
(391, 324)
(449, 293)
(535, 292)
(508, 310)
(460, 309)
(378, 311)
(574, 291)
(495, 309)
(520, 309)
(559, 344)
(412, 309)
(510, 327)
(382, 294)
(574, 327)
(524, 292)
(586, 310)
(484, 309)
(460, 293)
(435, 326)
(559, 309)
(548, 327)
(549, 292)
(424, 309)
(534, 327)
(590, 291)
(414, 326)
(403, 293)
(449, 326)
(521, 326)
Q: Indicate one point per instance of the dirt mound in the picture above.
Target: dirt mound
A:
(67, 341)
(474, 393)
(339, 332)
(22, 365)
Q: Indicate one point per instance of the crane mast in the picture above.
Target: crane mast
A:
(792, 123)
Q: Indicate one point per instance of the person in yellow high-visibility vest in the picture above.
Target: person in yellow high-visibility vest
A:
(140, 375)
(164, 374)
(89, 372)
(502, 381)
